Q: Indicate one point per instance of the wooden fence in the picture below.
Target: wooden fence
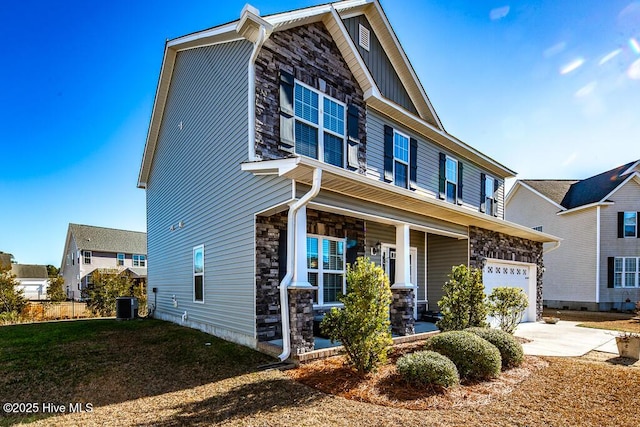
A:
(36, 311)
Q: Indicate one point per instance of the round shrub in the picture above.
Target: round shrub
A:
(428, 368)
(475, 358)
(510, 349)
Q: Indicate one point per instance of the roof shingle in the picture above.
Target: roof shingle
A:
(103, 239)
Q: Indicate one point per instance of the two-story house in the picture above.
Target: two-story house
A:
(283, 147)
(88, 248)
(597, 267)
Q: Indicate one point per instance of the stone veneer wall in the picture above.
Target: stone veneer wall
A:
(268, 231)
(490, 244)
(310, 54)
(401, 312)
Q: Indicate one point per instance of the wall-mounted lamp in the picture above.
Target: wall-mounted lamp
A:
(375, 249)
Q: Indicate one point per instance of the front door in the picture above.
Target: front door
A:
(389, 265)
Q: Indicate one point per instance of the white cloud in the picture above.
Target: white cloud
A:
(499, 12)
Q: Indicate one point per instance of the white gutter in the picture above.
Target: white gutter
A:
(291, 250)
(556, 246)
(252, 93)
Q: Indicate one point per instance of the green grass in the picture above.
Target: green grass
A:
(109, 361)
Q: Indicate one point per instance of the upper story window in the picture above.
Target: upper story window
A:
(120, 259)
(630, 224)
(488, 192)
(86, 255)
(319, 125)
(139, 261)
(326, 268)
(400, 159)
(198, 273)
(451, 177)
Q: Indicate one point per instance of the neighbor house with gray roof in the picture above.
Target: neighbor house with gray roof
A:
(32, 279)
(88, 248)
(597, 267)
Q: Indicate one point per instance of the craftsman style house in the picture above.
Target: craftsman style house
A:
(597, 267)
(88, 248)
(281, 148)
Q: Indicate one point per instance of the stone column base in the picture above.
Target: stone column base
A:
(301, 320)
(401, 312)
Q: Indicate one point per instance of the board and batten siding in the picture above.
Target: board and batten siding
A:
(570, 270)
(626, 199)
(379, 64)
(428, 170)
(442, 254)
(196, 179)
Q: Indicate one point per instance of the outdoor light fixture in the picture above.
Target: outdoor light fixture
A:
(375, 249)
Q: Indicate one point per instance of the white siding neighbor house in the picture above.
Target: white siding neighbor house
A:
(33, 280)
(597, 267)
(283, 147)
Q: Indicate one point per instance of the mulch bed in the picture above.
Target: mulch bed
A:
(387, 388)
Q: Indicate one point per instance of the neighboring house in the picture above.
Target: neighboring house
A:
(282, 147)
(32, 279)
(88, 248)
(597, 267)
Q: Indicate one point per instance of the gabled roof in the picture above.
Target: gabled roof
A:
(573, 194)
(101, 239)
(331, 15)
(29, 271)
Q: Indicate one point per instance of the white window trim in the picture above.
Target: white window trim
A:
(84, 257)
(193, 261)
(320, 126)
(320, 270)
(446, 179)
(136, 258)
(624, 272)
(635, 235)
(124, 258)
(494, 207)
(395, 159)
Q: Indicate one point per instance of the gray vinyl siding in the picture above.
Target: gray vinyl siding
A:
(428, 163)
(442, 254)
(196, 178)
(626, 199)
(379, 64)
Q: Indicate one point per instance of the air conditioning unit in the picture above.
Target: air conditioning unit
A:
(126, 308)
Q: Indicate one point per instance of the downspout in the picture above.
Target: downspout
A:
(252, 93)
(291, 265)
(598, 255)
(556, 246)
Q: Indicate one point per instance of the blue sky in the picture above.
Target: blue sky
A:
(549, 88)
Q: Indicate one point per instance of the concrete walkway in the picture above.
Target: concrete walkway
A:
(565, 339)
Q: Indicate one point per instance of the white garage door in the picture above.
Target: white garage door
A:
(499, 273)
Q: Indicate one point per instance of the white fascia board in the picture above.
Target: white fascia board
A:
(583, 207)
(441, 133)
(634, 167)
(271, 167)
(295, 15)
(622, 184)
(536, 192)
(212, 32)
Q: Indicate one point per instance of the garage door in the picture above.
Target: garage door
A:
(499, 273)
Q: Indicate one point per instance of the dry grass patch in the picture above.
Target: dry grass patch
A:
(598, 319)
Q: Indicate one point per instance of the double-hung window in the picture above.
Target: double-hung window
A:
(326, 268)
(198, 273)
(319, 125)
(451, 176)
(630, 224)
(86, 255)
(139, 260)
(120, 260)
(626, 272)
(489, 187)
(400, 159)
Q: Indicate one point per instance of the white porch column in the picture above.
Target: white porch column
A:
(300, 276)
(403, 252)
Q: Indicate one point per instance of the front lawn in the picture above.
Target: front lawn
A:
(598, 320)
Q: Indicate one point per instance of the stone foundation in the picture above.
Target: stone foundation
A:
(401, 312)
(490, 244)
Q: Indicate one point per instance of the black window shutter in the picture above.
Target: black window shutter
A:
(282, 254)
(353, 133)
(483, 193)
(620, 225)
(460, 173)
(496, 186)
(287, 122)
(610, 271)
(442, 181)
(352, 252)
(413, 163)
(388, 153)
(638, 225)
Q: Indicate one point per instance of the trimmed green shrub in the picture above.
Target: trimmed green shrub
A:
(475, 358)
(362, 326)
(463, 303)
(510, 349)
(428, 368)
(507, 305)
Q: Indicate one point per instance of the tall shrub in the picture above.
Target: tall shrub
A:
(507, 306)
(106, 287)
(463, 304)
(362, 326)
(12, 300)
(55, 290)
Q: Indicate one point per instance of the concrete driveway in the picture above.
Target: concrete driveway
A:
(565, 339)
